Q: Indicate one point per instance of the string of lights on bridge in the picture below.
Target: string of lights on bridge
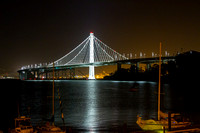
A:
(92, 50)
(128, 56)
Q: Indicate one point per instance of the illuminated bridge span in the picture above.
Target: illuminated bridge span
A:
(90, 53)
(91, 50)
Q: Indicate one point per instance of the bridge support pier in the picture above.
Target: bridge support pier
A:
(26, 74)
(72, 73)
(148, 67)
(23, 75)
(91, 72)
(137, 67)
(119, 66)
(57, 74)
(46, 75)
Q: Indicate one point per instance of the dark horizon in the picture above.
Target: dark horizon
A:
(34, 32)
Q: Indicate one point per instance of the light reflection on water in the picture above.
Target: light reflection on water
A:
(91, 119)
(93, 105)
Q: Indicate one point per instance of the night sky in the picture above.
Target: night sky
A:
(39, 31)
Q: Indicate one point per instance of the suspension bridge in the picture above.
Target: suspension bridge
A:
(90, 53)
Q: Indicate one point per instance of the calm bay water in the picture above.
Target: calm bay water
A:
(88, 105)
(91, 104)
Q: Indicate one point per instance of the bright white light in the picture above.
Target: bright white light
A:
(131, 55)
(140, 54)
(165, 53)
(152, 54)
(91, 59)
(91, 72)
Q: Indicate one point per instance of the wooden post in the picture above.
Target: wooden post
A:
(159, 83)
(53, 97)
(164, 129)
(169, 120)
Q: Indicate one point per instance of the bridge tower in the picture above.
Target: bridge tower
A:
(91, 58)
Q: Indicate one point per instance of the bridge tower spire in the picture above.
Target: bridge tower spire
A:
(91, 58)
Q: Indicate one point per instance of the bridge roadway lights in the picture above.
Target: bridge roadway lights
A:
(34, 73)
